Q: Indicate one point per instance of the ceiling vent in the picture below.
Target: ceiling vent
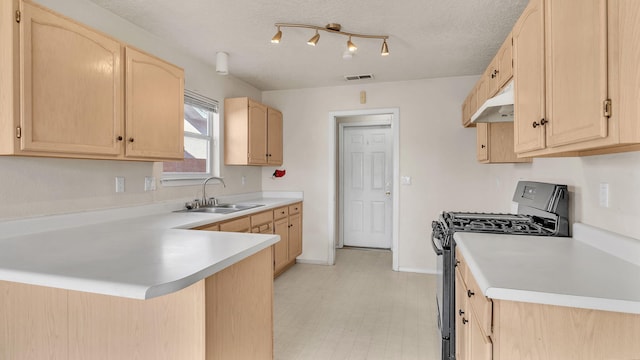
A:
(358, 77)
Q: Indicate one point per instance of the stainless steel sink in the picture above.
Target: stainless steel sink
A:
(221, 208)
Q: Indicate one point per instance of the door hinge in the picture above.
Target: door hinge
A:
(18, 132)
(18, 16)
(607, 108)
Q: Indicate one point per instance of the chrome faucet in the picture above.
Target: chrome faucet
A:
(206, 201)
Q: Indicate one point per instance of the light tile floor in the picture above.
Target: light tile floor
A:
(357, 309)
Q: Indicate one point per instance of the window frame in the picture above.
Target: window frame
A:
(213, 154)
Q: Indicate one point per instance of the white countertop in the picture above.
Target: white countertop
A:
(137, 256)
(554, 270)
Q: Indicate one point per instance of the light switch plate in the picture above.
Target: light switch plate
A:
(149, 183)
(405, 180)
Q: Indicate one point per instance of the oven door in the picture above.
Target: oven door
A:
(436, 243)
(443, 288)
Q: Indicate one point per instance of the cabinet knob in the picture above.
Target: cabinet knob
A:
(457, 263)
(130, 140)
(541, 123)
(119, 138)
(470, 293)
(494, 74)
(464, 321)
(482, 146)
(460, 312)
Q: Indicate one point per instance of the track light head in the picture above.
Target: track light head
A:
(351, 46)
(385, 48)
(314, 40)
(276, 38)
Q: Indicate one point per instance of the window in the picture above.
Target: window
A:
(200, 121)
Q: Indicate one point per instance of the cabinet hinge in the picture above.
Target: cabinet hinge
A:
(607, 108)
(18, 132)
(18, 16)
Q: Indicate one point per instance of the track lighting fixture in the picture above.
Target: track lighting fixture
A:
(351, 46)
(336, 29)
(276, 38)
(385, 48)
(314, 40)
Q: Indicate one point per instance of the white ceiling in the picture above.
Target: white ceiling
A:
(428, 38)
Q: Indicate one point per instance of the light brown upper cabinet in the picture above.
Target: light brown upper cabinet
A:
(64, 95)
(576, 77)
(495, 143)
(155, 101)
(252, 133)
(494, 78)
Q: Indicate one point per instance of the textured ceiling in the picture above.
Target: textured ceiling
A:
(428, 38)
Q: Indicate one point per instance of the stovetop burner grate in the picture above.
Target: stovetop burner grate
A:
(495, 223)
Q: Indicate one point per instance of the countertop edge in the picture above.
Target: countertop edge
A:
(168, 288)
(527, 296)
(582, 302)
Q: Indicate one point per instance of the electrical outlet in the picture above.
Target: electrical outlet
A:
(149, 183)
(119, 184)
(405, 180)
(604, 195)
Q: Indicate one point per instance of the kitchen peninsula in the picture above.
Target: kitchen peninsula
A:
(136, 287)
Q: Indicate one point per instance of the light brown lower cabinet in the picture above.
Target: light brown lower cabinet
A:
(228, 315)
(489, 329)
(285, 221)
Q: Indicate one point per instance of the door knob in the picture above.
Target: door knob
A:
(388, 193)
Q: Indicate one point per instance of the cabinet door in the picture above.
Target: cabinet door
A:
(274, 138)
(154, 107)
(482, 142)
(257, 133)
(576, 68)
(505, 62)
(479, 346)
(73, 86)
(281, 248)
(295, 236)
(528, 56)
(482, 89)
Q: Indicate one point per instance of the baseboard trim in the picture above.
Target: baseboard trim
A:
(312, 262)
(418, 271)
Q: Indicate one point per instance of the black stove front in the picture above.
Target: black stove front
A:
(542, 211)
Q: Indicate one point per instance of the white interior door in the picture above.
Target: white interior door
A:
(367, 184)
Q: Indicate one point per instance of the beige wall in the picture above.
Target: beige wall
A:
(39, 186)
(439, 155)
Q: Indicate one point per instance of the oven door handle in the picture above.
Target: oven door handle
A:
(437, 250)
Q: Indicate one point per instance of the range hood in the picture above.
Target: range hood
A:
(497, 109)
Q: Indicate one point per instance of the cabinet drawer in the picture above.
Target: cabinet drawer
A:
(461, 265)
(280, 213)
(238, 225)
(482, 306)
(261, 218)
(262, 229)
(295, 208)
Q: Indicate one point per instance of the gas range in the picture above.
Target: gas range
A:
(542, 211)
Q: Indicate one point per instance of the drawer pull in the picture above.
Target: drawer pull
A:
(470, 293)
(460, 312)
(464, 321)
